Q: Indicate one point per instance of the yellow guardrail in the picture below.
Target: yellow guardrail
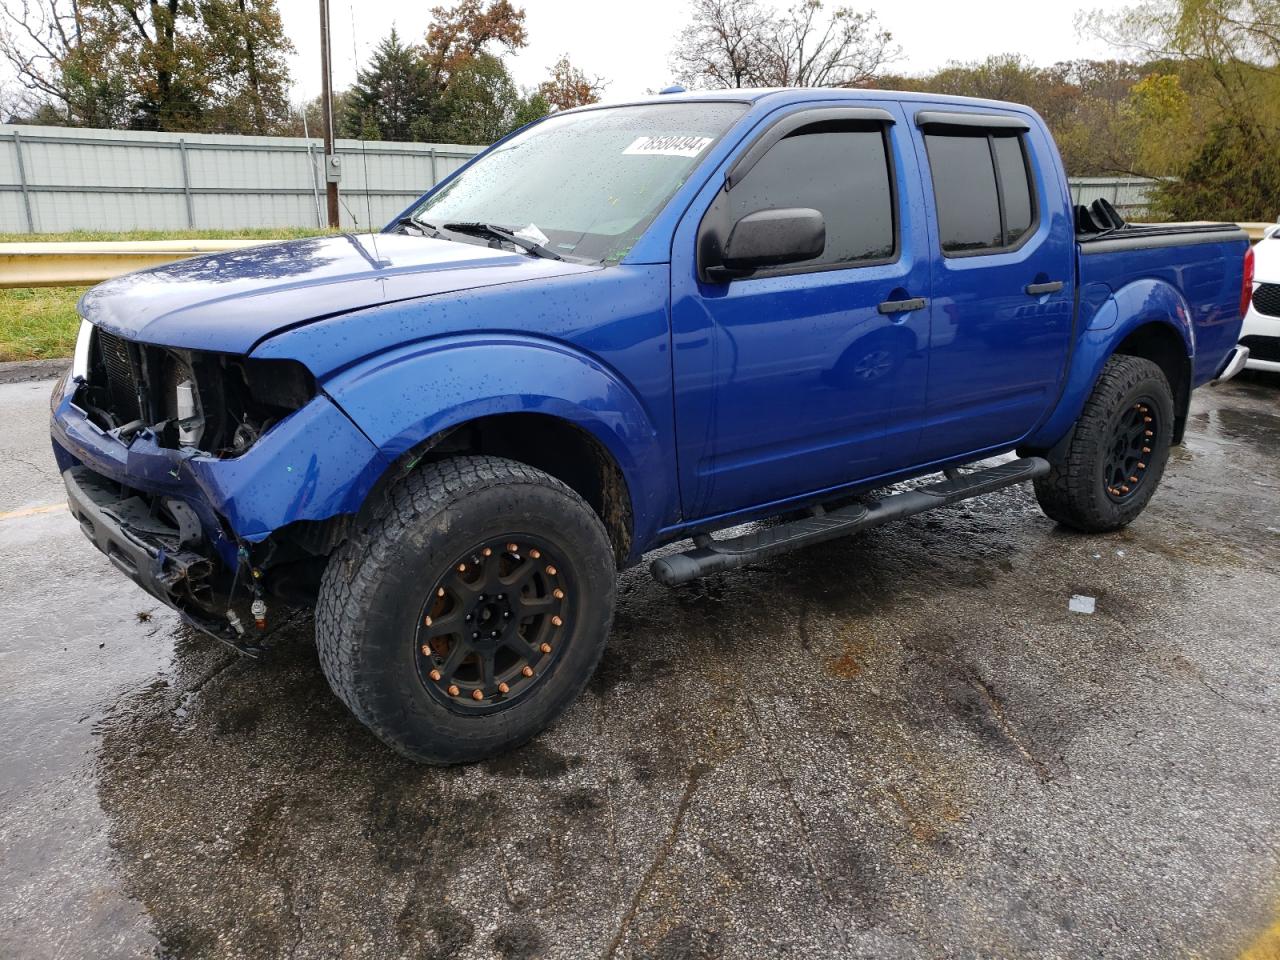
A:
(74, 264)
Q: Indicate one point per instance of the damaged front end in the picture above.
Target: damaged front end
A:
(216, 482)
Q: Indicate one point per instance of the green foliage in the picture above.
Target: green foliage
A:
(1226, 179)
(391, 93)
(451, 87)
(1210, 114)
(481, 104)
(176, 65)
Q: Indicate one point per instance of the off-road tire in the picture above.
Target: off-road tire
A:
(374, 589)
(1075, 492)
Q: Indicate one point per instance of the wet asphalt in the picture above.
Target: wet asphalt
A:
(897, 745)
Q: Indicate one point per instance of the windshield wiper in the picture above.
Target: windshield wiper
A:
(427, 229)
(502, 233)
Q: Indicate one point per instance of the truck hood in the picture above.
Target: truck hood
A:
(231, 301)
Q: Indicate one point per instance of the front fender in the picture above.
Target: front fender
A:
(1101, 332)
(402, 397)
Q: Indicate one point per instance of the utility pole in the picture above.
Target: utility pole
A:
(332, 166)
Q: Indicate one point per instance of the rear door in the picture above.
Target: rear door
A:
(797, 379)
(1003, 278)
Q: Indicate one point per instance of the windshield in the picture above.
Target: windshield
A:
(584, 185)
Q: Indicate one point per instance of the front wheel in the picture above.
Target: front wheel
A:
(1117, 454)
(472, 614)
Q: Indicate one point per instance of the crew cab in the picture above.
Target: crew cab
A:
(619, 328)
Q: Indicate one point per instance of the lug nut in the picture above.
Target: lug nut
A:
(426, 621)
(557, 622)
(1147, 433)
(551, 571)
(462, 568)
(506, 615)
(435, 675)
(1133, 479)
(1124, 489)
(453, 690)
(544, 647)
(1141, 465)
(426, 649)
(558, 593)
(493, 633)
(487, 552)
(535, 554)
(503, 688)
(475, 635)
(1146, 419)
(513, 548)
(477, 695)
(1146, 449)
(526, 671)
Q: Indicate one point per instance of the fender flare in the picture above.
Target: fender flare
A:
(1138, 304)
(402, 398)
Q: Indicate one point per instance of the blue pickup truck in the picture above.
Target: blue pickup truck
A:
(623, 327)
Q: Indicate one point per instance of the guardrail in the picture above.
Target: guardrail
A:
(72, 264)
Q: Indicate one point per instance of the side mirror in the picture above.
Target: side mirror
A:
(771, 238)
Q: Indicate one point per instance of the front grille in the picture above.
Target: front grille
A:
(1262, 348)
(122, 388)
(1266, 299)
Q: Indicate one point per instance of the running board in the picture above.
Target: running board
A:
(714, 556)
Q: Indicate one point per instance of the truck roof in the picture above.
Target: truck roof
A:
(784, 95)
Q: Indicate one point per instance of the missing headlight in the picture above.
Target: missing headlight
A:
(223, 404)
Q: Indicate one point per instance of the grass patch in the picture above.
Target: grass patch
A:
(265, 233)
(38, 323)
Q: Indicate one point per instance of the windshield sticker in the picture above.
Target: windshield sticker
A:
(669, 146)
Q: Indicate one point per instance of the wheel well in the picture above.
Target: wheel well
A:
(1161, 344)
(567, 452)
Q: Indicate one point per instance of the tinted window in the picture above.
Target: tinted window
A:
(964, 186)
(1014, 186)
(839, 170)
(981, 186)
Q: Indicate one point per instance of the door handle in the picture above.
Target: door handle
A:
(1040, 289)
(904, 306)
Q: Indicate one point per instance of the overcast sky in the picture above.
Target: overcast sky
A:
(628, 43)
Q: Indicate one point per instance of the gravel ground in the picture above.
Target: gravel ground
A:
(897, 745)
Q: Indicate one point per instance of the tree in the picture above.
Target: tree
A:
(151, 64)
(1214, 116)
(454, 87)
(481, 104)
(57, 76)
(459, 34)
(391, 93)
(569, 87)
(742, 43)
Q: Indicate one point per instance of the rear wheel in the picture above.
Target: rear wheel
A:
(472, 614)
(1117, 454)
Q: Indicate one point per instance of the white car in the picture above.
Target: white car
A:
(1261, 331)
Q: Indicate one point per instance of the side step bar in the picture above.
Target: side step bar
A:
(714, 556)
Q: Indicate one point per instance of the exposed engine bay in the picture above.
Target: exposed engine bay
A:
(217, 404)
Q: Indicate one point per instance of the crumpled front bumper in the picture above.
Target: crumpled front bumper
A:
(314, 464)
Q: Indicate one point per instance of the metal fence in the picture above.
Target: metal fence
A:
(1131, 196)
(55, 179)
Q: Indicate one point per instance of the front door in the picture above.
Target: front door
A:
(807, 377)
